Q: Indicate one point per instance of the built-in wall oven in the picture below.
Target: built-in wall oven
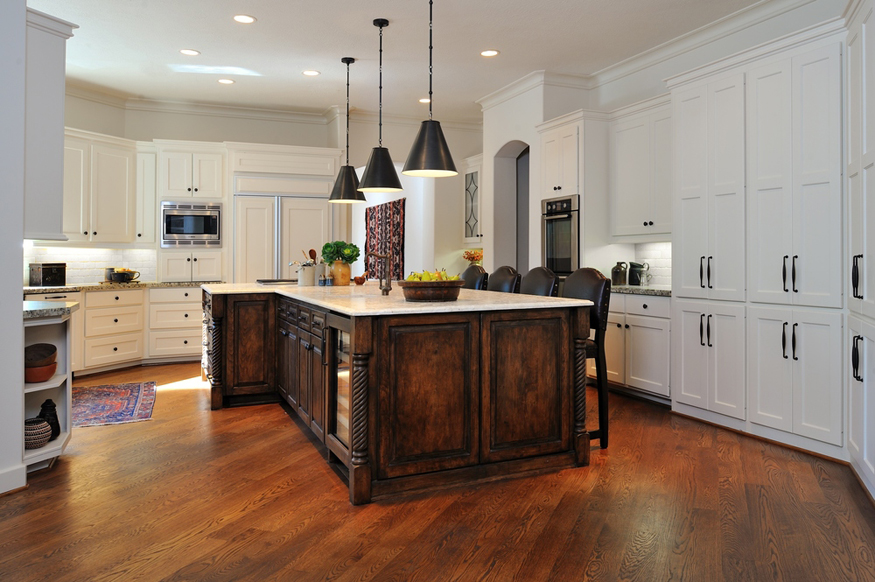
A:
(560, 241)
(184, 224)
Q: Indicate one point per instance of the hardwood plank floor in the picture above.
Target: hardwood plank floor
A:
(244, 494)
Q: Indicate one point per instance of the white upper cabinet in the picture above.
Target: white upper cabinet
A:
(640, 170)
(190, 174)
(146, 200)
(472, 231)
(794, 173)
(708, 237)
(561, 150)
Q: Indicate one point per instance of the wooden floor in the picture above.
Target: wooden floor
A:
(243, 494)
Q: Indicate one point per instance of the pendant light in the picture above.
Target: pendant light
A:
(380, 174)
(346, 187)
(430, 155)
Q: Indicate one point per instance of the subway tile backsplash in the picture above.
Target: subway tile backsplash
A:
(658, 256)
(86, 266)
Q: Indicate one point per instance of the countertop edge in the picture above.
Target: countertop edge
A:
(115, 287)
(41, 309)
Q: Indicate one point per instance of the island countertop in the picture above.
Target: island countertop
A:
(366, 300)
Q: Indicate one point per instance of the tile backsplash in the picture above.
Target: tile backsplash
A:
(86, 266)
(658, 256)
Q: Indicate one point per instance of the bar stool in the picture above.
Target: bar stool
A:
(474, 277)
(588, 283)
(540, 281)
(505, 280)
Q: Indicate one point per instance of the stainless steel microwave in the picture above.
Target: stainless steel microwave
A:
(184, 224)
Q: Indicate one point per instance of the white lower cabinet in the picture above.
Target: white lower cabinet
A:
(795, 371)
(77, 326)
(175, 319)
(708, 356)
(114, 326)
(183, 266)
(861, 398)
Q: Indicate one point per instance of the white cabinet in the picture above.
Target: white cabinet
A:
(472, 231)
(709, 207)
(795, 370)
(181, 266)
(190, 174)
(708, 356)
(76, 324)
(175, 322)
(560, 151)
(861, 398)
(640, 170)
(146, 194)
(43, 122)
(114, 325)
(794, 180)
(99, 188)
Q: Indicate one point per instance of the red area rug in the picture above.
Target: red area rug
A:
(113, 404)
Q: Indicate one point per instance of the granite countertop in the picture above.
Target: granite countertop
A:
(657, 290)
(38, 309)
(110, 286)
(365, 300)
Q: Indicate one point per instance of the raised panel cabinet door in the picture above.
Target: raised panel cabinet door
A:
(661, 172)
(690, 204)
(77, 189)
(206, 175)
(175, 266)
(206, 265)
(526, 380)
(317, 386)
(254, 239)
(145, 197)
(648, 353)
(770, 182)
(817, 178)
(867, 365)
(817, 375)
(770, 367)
(867, 261)
(305, 223)
(867, 159)
(855, 355)
(112, 193)
(551, 164)
(725, 264)
(570, 149)
(174, 174)
(305, 345)
(428, 393)
(250, 345)
(615, 349)
(631, 177)
(282, 359)
(689, 349)
(292, 381)
(726, 393)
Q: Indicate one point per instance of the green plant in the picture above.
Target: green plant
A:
(340, 250)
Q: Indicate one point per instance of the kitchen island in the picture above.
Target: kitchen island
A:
(407, 395)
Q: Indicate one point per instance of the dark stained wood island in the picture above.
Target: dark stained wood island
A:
(407, 395)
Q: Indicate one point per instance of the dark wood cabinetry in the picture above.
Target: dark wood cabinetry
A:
(287, 352)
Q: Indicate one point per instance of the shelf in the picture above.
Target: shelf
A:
(52, 449)
(54, 382)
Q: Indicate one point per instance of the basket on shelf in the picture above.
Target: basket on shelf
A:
(37, 433)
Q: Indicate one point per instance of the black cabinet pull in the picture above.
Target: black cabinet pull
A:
(94, 233)
(189, 189)
(650, 223)
(627, 326)
(558, 187)
(702, 271)
(784, 340)
(855, 359)
(795, 290)
(115, 320)
(784, 273)
(186, 315)
(794, 341)
(855, 277)
(186, 294)
(139, 234)
(709, 274)
(195, 259)
(115, 349)
(195, 189)
(644, 306)
(116, 297)
(645, 223)
(185, 342)
(324, 351)
(86, 232)
(188, 260)
(619, 326)
(702, 329)
(708, 329)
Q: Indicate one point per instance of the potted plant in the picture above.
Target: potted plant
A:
(340, 255)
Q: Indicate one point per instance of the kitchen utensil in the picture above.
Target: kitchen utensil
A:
(313, 255)
(38, 355)
(41, 373)
(618, 273)
(306, 258)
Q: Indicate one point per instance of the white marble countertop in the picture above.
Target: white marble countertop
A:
(366, 300)
(37, 309)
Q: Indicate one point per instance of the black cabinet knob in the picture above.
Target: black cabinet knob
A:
(186, 294)
(93, 233)
(115, 349)
(187, 314)
(115, 320)
(185, 342)
(627, 326)
(86, 232)
(189, 189)
(645, 223)
(195, 189)
(139, 234)
(644, 306)
(619, 326)
(116, 297)
(650, 223)
(195, 259)
(188, 260)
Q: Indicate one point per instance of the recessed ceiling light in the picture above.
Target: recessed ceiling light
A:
(226, 81)
(190, 52)
(425, 100)
(244, 19)
(311, 73)
(489, 53)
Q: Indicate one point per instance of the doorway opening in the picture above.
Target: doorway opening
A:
(511, 206)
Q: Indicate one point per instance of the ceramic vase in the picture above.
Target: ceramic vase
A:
(340, 272)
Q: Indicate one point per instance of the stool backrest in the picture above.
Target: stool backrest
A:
(540, 281)
(589, 283)
(474, 277)
(504, 279)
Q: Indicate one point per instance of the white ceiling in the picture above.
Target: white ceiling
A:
(126, 47)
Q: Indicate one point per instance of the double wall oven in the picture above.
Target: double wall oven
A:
(560, 239)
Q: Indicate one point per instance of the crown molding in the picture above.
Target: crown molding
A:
(730, 24)
(251, 113)
(650, 104)
(50, 24)
(579, 115)
(534, 80)
(852, 10)
(95, 97)
(363, 116)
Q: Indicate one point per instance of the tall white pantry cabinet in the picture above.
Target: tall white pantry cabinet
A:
(757, 282)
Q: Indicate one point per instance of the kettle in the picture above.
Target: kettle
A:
(618, 274)
(638, 273)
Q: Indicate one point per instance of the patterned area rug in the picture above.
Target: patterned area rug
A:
(113, 404)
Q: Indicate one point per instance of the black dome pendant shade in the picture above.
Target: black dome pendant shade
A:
(346, 186)
(380, 174)
(430, 155)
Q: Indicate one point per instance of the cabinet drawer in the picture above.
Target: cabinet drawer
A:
(113, 298)
(112, 321)
(175, 343)
(303, 318)
(648, 305)
(109, 350)
(287, 310)
(617, 303)
(175, 315)
(175, 295)
(317, 322)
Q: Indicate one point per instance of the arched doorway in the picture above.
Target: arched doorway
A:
(511, 206)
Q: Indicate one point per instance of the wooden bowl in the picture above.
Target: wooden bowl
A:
(38, 355)
(40, 374)
(431, 290)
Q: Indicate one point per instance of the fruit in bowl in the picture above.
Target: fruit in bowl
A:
(431, 286)
(441, 275)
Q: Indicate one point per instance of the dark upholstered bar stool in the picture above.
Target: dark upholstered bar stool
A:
(474, 277)
(504, 279)
(587, 283)
(540, 281)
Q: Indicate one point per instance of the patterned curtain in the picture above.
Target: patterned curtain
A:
(384, 225)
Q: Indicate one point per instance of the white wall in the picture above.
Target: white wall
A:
(12, 47)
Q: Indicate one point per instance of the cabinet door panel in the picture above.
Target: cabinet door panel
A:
(631, 176)
(113, 320)
(174, 174)
(175, 266)
(305, 224)
(570, 161)
(317, 389)
(77, 195)
(689, 363)
(615, 349)
(250, 344)
(254, 239)
(145, 198)
(206, 266)
(867, 365)
(647, 353)
(817, 374)
(305, 344)
(867, 263)
(726, 360)
(112, 194)
(856, 390)
(206, 177)
(770, 367)
(660, 194)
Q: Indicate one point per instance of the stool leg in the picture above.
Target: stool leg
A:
(601, 368)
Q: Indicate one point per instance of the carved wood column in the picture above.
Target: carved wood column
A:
(581, 436)
(360, 469)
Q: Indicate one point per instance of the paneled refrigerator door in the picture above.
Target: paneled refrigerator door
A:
(254, 238)
(304, 225)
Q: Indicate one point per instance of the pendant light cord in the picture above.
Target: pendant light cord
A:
(430, 47)
(347, 113)
(381, 89)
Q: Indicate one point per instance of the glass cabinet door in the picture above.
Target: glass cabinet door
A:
(472, 208)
